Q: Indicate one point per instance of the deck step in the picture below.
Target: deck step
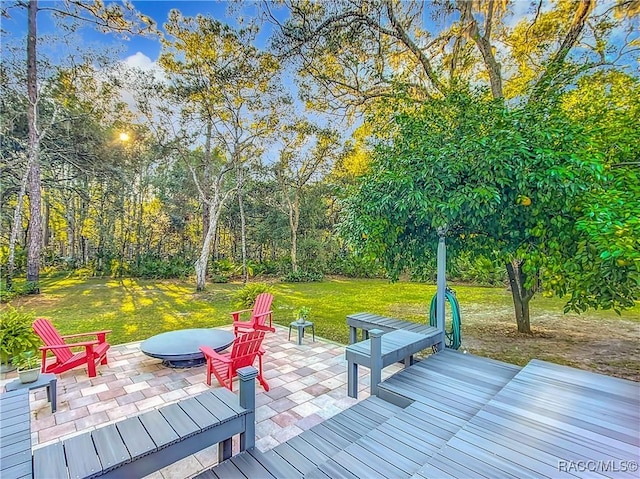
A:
(301, 455)
(546, 416)
(442, 403)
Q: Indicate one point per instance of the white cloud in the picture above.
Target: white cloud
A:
(141, 61)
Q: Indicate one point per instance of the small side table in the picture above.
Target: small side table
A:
(301, 327)
(44, 379)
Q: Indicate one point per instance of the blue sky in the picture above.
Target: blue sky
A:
(158, 10)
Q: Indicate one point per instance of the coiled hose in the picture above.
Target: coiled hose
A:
(453, 336)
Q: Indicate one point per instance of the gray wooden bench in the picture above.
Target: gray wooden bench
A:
(369, 321)
(15, 435)
(382, 350)
(140, 445)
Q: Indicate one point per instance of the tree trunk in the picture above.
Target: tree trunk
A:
(35, 194)
(243, 223)
(521, 295)
(15, 228)
(294, 222)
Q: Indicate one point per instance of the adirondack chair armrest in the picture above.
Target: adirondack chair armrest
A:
(269, 314)
(209, 352)
(99, 334)
(236, 314)
(72, 345)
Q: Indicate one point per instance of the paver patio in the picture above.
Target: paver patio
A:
(307, 385)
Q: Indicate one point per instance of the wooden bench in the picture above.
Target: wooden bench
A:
(382, 350)
(140, 445)
(15, 435)
(369, 321)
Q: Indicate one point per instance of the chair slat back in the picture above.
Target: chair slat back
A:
(51, 337)
(261, 305)
(245, 348)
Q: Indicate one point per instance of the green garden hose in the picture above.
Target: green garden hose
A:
(453, 337)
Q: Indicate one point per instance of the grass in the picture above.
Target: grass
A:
(137, 309)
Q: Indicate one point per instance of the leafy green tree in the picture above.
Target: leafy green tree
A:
(228, 94)
(497, 179)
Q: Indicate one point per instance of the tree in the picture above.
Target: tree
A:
(231, 88)
(373, 56)
(307, 153)
(106, 17)
(516, 181)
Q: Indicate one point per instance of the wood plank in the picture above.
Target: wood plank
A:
(82, 459)
(214, 403)
(305, 449)
(229, 399)
(49, 462)
(356, 467)
(110, 447)
(250, 467)
(293, 457)
(198, 413)
(335, 471)
(330, 435)
(135, 437)
(158, 428)
(227, 469)
(384, 464)
(179, 420)
(369, 449)
(274, 463)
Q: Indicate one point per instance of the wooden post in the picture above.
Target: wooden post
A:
(247, 376)
(376, 359)
(441, 285)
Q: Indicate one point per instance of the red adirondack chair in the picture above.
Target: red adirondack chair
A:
(259, 314)
(243, 353)
(94, 351)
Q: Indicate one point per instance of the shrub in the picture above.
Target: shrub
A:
(301, 276)
(16, 334)
(246, 297)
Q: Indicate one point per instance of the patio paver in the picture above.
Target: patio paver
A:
(308, 385)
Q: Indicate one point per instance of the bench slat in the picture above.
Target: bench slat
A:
(158, 428)
(215, 404)
(110, 447)
(179, 420)
(82, 459)
(135, 437)
(49, 461)
(198, 413)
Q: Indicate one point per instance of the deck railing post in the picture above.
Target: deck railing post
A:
(441, 283)
(376, 359)
(247, 376)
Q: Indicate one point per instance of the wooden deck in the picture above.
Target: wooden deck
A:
(459, 415)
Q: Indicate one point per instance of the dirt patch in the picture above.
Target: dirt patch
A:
(607, 346)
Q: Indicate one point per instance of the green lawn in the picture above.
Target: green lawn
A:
(136, 309)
